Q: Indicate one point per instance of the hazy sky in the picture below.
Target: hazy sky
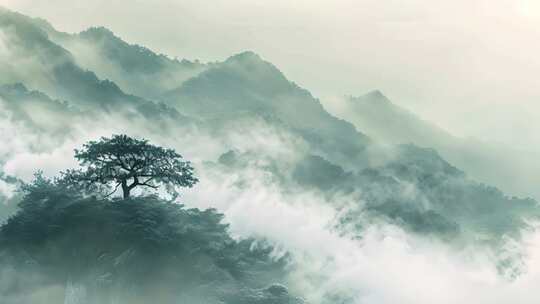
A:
(471, 66)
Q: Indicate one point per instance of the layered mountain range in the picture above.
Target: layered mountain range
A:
(242, 117)
(378, 117)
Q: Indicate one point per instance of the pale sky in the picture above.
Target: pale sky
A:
(470, 66)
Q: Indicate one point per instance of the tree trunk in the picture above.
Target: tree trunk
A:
(125, 189)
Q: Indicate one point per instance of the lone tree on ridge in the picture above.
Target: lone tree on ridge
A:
(123, 161)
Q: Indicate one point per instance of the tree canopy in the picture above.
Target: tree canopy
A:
(126, 162)
(139, 250)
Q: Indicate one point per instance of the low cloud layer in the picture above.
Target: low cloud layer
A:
(385, 266)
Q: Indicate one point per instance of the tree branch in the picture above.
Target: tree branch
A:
(148, 185)
(115, 188)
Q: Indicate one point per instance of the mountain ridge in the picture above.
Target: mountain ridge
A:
(394, 124)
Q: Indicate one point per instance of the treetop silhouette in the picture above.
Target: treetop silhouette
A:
(126, 162)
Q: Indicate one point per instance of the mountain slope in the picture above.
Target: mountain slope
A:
(506, 167)
(243, 83)
(38, 110)
(134, 68)
(30, 57)
(383, 120)
(246, 84)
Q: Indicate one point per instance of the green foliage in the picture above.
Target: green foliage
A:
(129, 162)
(137, 249)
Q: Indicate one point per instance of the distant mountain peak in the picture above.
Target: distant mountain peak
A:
(5, 10)
(374, 96)
(376, 93)
(254, 69)
(97, 32)
(40, 22)
(246, 56)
